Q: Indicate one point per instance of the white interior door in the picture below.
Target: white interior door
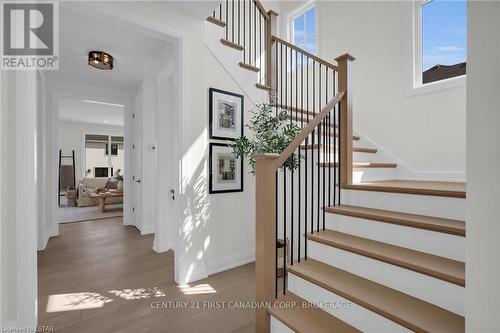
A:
(136, 172)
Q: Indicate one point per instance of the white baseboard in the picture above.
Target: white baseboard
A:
(147, 229)
(44, 242)
(230, 261)
(160, 250)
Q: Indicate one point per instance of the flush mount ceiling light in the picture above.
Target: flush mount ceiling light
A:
(100, 60)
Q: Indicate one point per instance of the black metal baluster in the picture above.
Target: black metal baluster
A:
(313, 139)
(250, 32)
(327, 135)
(339, 149)
(260, 47)
(292, 176)
(239, 22)
(227, 21)
(274, 100)
(220, 12)
(254, 34)
(307, 148)
(318, 164)
(299, 236)
(232, 21)
(284, 185)
(244, 34)
(329, 128)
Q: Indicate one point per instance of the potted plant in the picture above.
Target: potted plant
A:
(272, 131)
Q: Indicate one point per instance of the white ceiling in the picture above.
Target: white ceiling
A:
(87, 111)
(135, 53)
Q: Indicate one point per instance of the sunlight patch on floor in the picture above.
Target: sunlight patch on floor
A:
(139, 293)
(76, 301)
(197, 290)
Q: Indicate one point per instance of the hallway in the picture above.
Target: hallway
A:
(101, 276)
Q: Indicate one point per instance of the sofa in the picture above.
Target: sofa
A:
(86, 186)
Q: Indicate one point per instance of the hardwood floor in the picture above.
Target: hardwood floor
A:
(101, 276)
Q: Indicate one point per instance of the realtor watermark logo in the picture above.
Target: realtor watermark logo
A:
(30, 36)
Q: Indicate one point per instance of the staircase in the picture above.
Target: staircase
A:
(371, 253)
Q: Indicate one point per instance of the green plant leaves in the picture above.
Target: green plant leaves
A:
(272, 133)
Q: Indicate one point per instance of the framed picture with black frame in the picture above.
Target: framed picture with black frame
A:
(225, 115)
(225, 171)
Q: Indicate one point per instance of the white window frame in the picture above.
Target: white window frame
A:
(417, 86)
(299, 12)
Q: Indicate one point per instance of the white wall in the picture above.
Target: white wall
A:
(483, 157)
(415, 129)
(18, 223)
(72, 135)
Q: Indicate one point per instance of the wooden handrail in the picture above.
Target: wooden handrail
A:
(261, 9)
(299, 139)
(310, 55)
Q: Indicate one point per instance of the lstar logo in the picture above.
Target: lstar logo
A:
(29, 38)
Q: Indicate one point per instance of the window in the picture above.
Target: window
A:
(441, 39)
(98, 161)
(303, 29)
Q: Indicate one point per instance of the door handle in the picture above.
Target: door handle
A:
(138, 181)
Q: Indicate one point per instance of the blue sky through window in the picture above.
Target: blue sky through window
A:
(304, 31)
(444, 32)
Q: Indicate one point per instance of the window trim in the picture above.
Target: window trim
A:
(299, 12)
(417, 86)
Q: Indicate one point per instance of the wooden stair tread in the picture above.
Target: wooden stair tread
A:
(307, 319)
(408, 311)
(419, 187)
(438, 267)
(360, 165)
(249, 67)
(448, 226)
(354, 149)
(232, 45)
(216, 21)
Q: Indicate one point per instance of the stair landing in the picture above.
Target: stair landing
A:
(433, 188)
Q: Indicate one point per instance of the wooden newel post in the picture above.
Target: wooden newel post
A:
(271, 29)
(265, 236)
(344, 83)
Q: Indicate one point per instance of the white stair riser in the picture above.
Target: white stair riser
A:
(441, 293)
(372, 174)
(452, 208)
(436, 243)
(278, 327)
(357, 156)
(356, 315)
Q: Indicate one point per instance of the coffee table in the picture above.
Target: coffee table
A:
(103, 196)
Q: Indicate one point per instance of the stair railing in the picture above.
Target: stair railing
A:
(318, 98)
(247, 26)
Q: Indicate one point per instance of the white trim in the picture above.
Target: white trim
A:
(146, 229)
(416, 86)
(230, 261)
(453, 82)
